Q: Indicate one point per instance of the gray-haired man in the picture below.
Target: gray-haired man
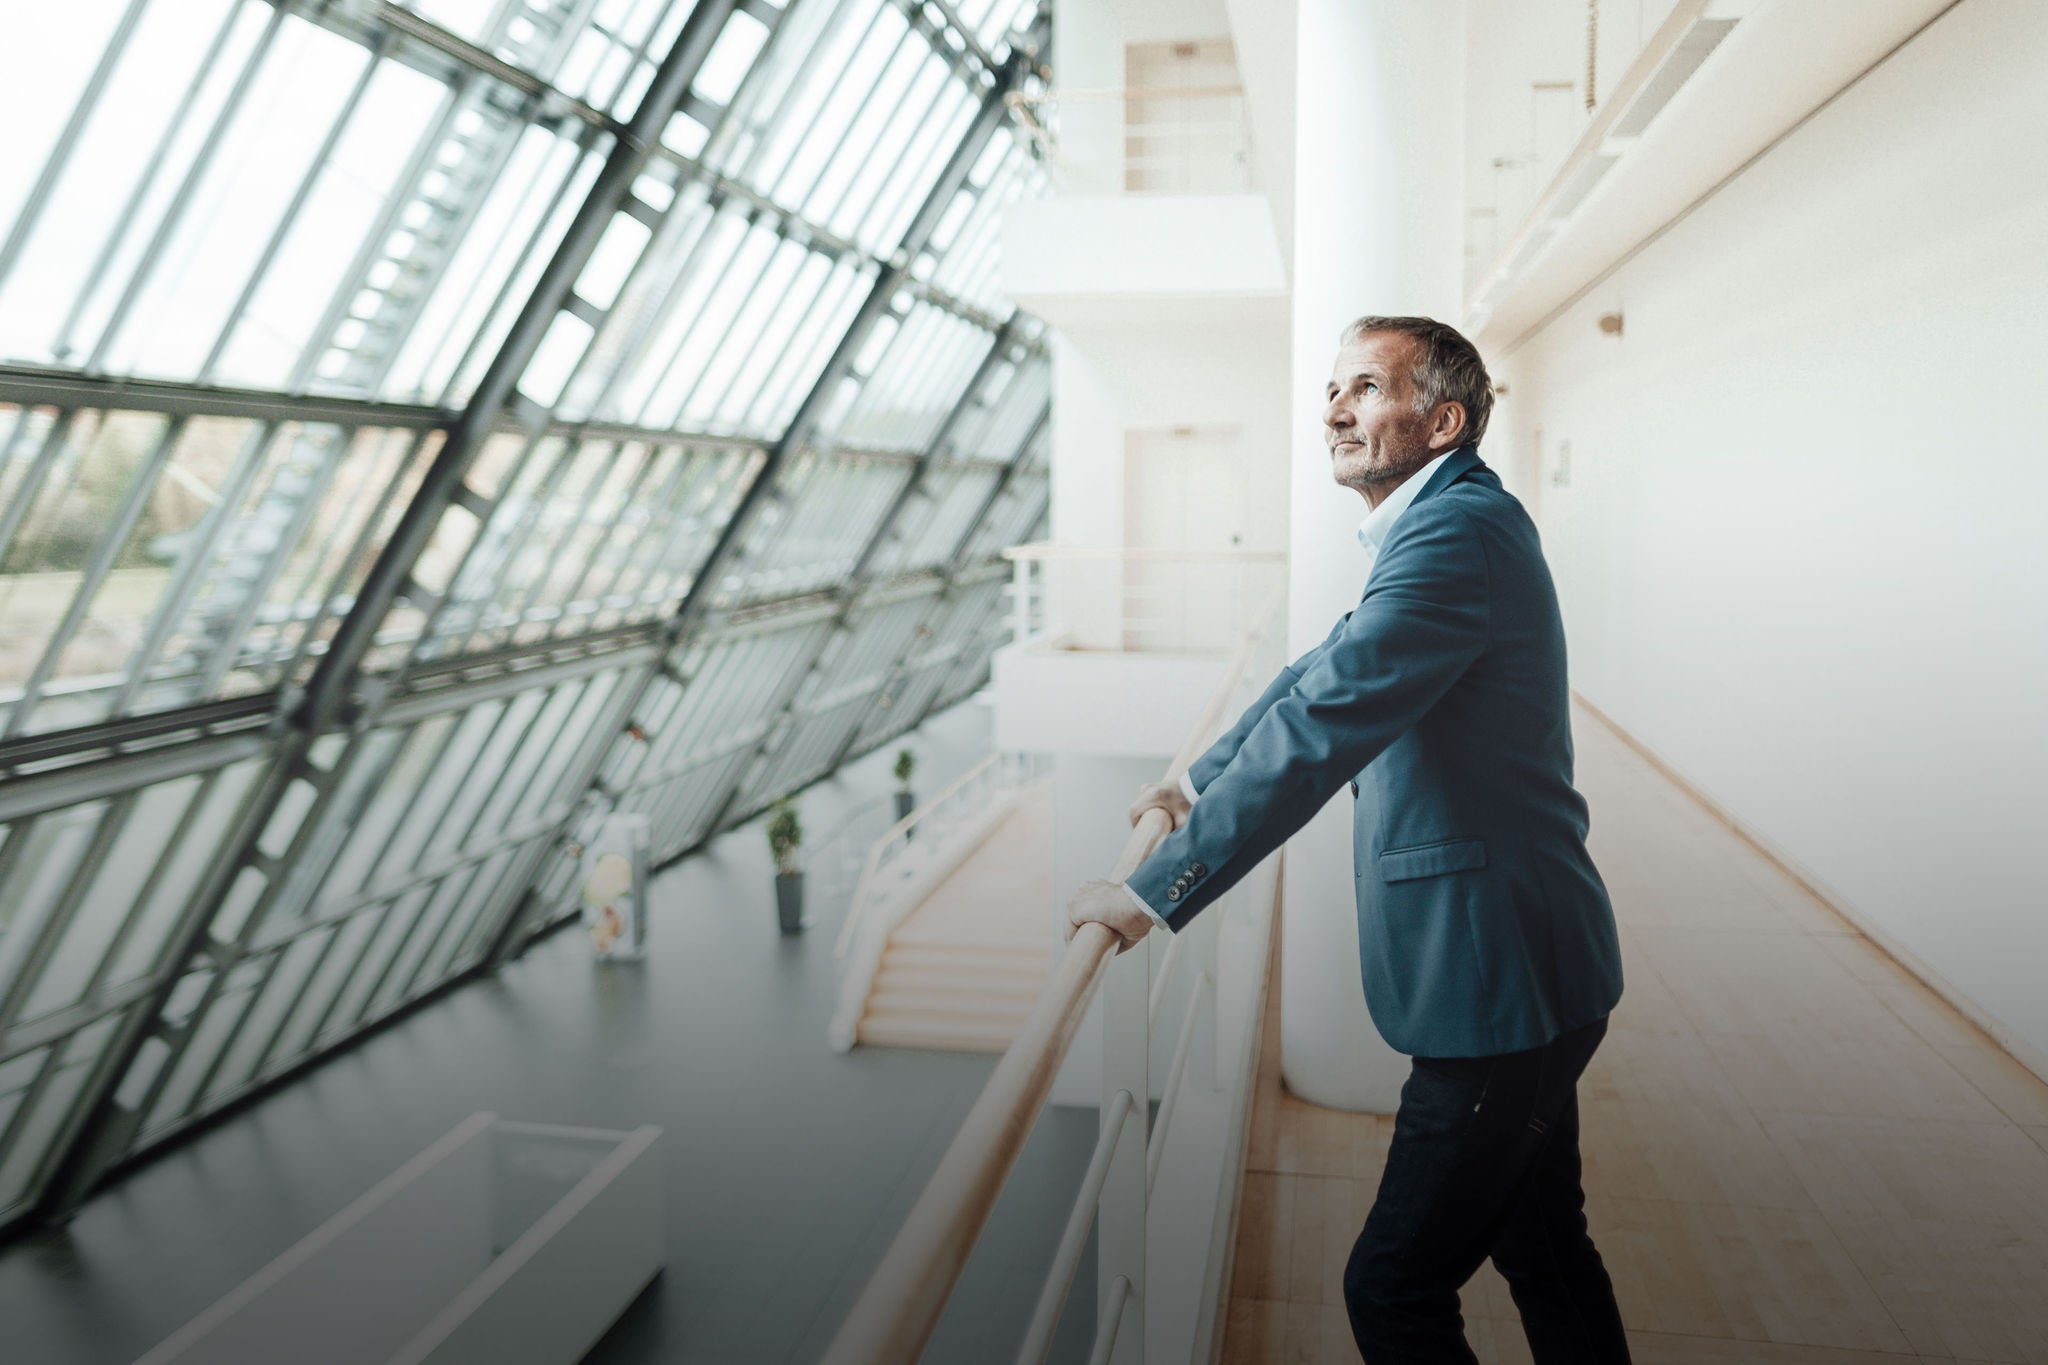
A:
(1486, 940)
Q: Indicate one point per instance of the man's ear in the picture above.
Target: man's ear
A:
(1449, 427)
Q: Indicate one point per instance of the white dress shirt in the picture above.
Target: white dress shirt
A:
(1372, 534)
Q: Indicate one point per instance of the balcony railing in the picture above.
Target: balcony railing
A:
(1138, 601)
(901, 1304)
(1157, 140)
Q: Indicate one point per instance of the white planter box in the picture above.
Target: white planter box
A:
(501, 1244)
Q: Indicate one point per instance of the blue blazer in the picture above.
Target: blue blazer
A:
(1441, 697)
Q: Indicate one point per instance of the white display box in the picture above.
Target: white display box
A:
(501, 1244)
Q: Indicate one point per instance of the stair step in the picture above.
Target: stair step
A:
(950, 936)
(973, 947)
(939, 966)
(1008, 986)
(957, 1004)
(950, 1034)
(922, 937)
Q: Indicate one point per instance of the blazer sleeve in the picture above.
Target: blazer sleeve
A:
(1424, 619)
(1217, 756)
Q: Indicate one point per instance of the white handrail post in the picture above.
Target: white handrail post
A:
(1126, 1065)
(1203, 1058)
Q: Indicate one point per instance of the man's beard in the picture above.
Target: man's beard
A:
(1395, 469)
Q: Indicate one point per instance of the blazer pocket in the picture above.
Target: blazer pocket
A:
(1432, 860)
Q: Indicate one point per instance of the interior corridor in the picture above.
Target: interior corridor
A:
(1795, 1152)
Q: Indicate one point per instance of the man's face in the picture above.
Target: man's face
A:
(1370, 424)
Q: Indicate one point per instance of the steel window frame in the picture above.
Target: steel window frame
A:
(339, 698)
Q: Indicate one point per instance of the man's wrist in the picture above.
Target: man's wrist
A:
(1144, 905)
(1187, 788)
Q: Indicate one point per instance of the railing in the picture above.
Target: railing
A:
(906, 862)
(1141, 601)
(1141, 140)
(897, 1311)
(834, 863)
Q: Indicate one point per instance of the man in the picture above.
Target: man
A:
(1486, 939)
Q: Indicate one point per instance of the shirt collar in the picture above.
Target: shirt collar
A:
(1379, 522)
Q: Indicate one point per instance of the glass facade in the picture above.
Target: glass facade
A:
(426, 428)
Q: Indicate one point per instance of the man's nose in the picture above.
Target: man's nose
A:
(1336, 414)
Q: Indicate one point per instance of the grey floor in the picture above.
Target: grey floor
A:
(786, 1167)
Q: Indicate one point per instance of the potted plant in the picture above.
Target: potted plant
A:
(785, 837)
(906, 764)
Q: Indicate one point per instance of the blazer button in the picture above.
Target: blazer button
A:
(1198, 870)
(1173, 893)
(1354, 788)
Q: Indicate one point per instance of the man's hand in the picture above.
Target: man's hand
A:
(1159, 796)
(1108, 903)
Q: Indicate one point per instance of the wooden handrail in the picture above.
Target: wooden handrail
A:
(897, 1311)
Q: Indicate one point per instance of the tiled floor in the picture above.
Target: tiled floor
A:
(1794, 1151)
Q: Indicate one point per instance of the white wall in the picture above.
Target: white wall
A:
(1087, 466)
(1155, 21)
(1108, 381)
(1074, 257)
(1802, 551)
(1116, 388)
(1263, 32)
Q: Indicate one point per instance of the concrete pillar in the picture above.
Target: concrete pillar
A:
(1379, 127)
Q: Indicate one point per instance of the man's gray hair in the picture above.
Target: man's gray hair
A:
(1450, 370)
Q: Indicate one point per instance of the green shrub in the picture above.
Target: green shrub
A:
(785, 835)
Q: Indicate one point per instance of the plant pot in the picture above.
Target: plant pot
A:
(789, 901)
(906, 802)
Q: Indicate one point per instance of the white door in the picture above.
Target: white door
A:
(1184, 494)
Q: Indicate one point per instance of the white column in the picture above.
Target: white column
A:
(1379, 127)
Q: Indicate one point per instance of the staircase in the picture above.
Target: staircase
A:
(962, 970)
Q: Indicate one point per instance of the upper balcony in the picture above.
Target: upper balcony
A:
(1116, 649)
(1155, 207)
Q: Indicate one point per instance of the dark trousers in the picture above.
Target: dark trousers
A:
(1485, 1162)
